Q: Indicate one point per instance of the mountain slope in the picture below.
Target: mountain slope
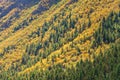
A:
(42, 34)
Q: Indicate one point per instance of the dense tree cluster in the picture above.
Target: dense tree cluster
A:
(109, 30)
(106, 66)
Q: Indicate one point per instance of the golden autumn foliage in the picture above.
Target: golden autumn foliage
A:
(83, 17)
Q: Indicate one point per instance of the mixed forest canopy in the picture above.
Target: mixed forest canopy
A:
(59, 40)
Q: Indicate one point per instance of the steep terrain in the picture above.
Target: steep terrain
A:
(38, 35)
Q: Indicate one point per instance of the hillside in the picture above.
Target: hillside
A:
(38, 37)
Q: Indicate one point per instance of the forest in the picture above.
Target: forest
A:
(60, 40)
(105, 66)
